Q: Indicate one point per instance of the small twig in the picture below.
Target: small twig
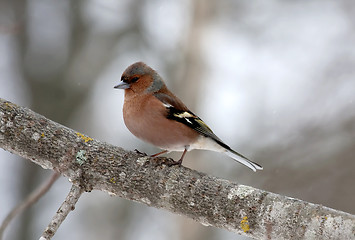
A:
(28, 202)
(67, 206)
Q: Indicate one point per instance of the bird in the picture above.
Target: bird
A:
(154, 114)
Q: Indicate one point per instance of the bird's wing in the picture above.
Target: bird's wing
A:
(177, 111)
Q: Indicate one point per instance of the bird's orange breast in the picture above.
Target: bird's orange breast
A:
(145, 117)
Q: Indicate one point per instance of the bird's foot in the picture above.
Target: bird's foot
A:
(140, 153)
(174, 163)
(159, 161)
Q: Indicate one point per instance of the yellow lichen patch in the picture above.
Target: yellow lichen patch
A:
(113, 180)
(7, 104)
(244, 224)
(10, 105)
(42, 135)
(85, 138)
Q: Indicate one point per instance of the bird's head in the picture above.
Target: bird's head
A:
(140, 78)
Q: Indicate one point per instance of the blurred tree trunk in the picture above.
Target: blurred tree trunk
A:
(191, 70)
(189, 85)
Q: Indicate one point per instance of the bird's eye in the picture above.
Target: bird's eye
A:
(135, 79)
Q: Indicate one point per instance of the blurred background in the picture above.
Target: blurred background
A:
(274, 79)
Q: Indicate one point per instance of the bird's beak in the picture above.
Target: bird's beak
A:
(123, 85)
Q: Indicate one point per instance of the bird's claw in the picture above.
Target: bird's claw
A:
(140, 153)
(174, 163)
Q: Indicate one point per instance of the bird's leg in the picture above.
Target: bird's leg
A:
(159, 153)
(182, 158)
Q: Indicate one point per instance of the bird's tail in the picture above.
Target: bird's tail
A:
(243, 160)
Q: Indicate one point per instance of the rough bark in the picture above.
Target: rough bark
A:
(91, 164)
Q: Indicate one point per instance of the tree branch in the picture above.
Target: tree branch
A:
(91, 164)
(67, 206)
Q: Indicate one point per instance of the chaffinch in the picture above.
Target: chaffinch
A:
(154, 114)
